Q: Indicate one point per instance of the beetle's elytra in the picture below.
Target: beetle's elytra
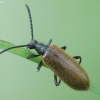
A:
(63, 65)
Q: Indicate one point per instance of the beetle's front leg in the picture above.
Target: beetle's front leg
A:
(32, 56)
(39, 65)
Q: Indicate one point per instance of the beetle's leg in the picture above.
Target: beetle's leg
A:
(32, 56)
(55, 77)
(55, 80)
(64, 47)
(39, 65)
(50, 42)
(78, 57)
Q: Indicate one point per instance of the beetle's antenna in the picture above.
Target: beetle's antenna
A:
(12, 48)
(31, 25)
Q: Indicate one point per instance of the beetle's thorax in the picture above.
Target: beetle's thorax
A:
(39, 47)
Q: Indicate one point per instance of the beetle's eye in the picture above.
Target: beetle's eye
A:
(32, 44)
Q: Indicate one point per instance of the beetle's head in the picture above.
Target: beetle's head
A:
(32, 44)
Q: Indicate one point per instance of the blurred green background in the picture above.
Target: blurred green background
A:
(74, 23)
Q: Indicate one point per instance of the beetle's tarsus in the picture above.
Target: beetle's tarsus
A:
(32, 56)
(78, 57)
(64, 47)
(55, 80)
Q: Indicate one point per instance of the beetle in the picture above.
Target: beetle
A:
(64, 66)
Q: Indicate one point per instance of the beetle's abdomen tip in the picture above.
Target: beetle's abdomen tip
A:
(83, 86)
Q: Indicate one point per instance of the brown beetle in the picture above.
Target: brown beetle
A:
(63, 66)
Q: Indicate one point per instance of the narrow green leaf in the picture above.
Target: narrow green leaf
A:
(22, 52)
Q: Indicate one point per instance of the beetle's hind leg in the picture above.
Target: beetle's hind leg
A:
(78, 57)
(56, 81)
